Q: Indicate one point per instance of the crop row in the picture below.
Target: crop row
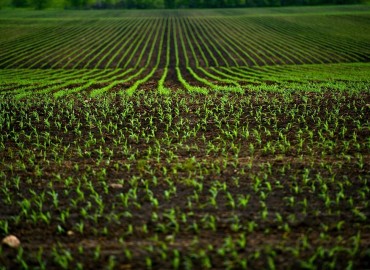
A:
(220, 41)
(172, 50)
(24, 82)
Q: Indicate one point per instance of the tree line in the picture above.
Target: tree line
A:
(168, 4)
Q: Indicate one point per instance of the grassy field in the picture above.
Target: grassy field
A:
(185, 139)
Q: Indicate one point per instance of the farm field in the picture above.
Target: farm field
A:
(185, 139)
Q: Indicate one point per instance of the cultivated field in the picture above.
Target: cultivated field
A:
(185, 139)
(122, 51)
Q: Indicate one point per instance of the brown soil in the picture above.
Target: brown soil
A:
(319, 233)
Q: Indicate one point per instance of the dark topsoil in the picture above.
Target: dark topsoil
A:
(318, 234)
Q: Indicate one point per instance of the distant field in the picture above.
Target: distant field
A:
(185, 139)
(99, 51)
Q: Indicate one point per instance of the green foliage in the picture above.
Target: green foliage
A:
(20, 3)
(40, 4)
(168, 4)
(5, 3)
(80, 4)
